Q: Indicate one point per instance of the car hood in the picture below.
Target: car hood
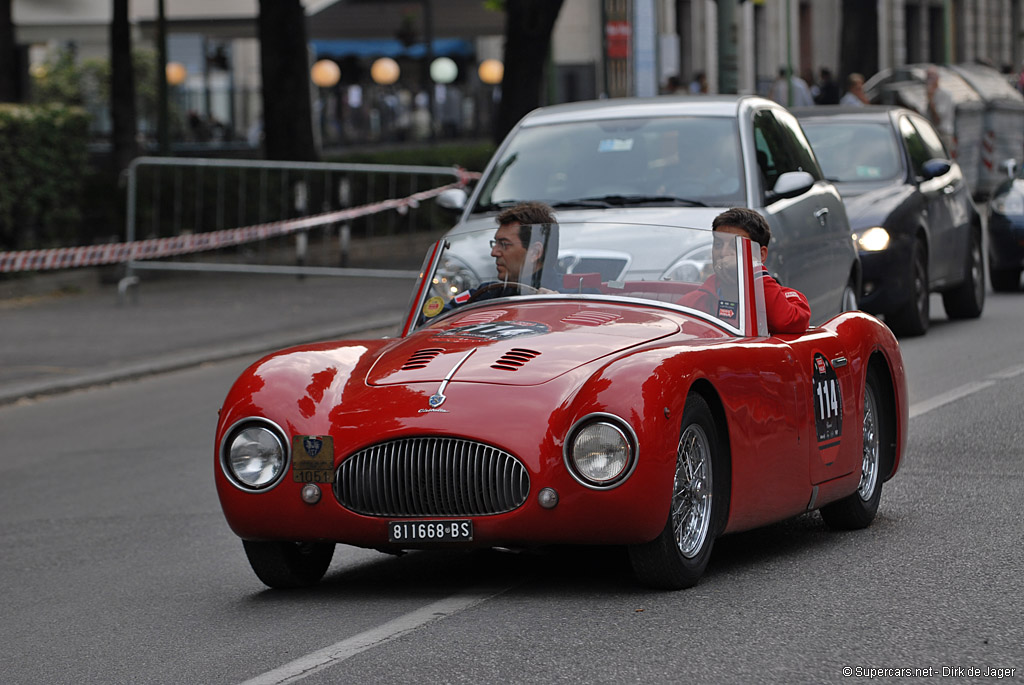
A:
(695, 217)
(870, 204)
(513, 343)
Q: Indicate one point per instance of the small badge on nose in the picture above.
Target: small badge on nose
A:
(312, 445)
(436, 400)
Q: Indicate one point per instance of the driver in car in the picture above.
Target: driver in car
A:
(520, 255)
(786, 309)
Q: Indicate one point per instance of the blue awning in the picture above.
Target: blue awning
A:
(391, 47)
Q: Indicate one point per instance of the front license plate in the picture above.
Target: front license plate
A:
(313, 459)
(430, 531)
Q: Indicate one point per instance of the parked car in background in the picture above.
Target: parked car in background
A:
(914, 222)
(1006, 234)
(673, 161)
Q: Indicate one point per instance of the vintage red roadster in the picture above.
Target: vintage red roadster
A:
(590, 407)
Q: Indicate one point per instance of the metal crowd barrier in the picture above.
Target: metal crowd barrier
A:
(242, 215)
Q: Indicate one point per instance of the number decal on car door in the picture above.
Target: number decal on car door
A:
(828, 401)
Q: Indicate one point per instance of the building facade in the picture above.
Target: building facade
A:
(601, 48)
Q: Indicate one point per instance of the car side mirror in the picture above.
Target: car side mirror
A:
(790, 184)
(935, 167)
(453, 199)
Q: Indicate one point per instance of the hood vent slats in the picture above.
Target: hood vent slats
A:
(514, 359)
(590, 318)
(421, 358)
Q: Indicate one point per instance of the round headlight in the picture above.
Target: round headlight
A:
(255, 456)
(600, 453)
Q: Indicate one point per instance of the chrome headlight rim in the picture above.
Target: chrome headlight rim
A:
(620, 425)
(257, 422)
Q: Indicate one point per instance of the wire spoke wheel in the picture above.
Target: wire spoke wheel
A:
(691, 494)
(872, 447)
(697, 508)
(858, 509)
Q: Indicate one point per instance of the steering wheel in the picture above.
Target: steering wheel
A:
(517, 288)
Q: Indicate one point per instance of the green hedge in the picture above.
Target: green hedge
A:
(43, 163)
(471, 156)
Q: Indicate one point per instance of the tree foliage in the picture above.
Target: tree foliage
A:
(61, 79)
(43, 160)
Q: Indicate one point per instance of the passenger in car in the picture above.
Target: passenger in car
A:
(786, 309)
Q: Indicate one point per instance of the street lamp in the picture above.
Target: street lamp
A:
(385, 71)
(491, 71)
(176, 73)
(443, 70)
(325, 73)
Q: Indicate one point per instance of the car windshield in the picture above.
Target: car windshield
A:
(671, 266)
(855, 152)
(670, 161)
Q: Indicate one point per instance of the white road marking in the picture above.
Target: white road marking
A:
(952, 396)
(339, 651)
(963, 391)
(1009, 373)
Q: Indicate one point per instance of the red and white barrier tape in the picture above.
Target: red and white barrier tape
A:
(113, 253)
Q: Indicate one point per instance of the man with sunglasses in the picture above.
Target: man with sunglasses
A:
(786, 309)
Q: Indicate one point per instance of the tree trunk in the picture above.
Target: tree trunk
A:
(858, 51)
(122, 88)
(8, 58)
(284, 65)
(528, 26)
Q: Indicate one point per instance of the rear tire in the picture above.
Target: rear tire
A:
(1005, 280)
(858, 510)
(967, 300)
(285, 565)
(676, 559)
(912, 318)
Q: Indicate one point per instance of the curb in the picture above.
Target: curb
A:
(375, 327)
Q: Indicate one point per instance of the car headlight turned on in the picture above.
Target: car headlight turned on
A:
(600, 451)
(874, 239)
(254, 454)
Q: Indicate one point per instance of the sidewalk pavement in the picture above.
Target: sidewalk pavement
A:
(81, 335)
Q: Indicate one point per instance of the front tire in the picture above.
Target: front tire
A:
(912, 318)
(284, 565)
(858, 510)
(676, 559)
(967, 300)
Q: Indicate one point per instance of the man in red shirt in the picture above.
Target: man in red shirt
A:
(786, 309)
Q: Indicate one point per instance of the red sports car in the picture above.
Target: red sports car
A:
(588, 407)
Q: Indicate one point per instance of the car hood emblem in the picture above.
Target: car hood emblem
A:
(438, 398)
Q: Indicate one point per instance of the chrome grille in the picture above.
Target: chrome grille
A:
(431, 476)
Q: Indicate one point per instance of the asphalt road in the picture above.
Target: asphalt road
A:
(117, 564)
